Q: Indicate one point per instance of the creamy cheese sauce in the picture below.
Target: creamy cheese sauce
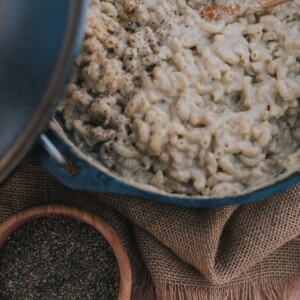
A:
(163, 97)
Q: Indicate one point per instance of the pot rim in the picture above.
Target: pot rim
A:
(97, 178)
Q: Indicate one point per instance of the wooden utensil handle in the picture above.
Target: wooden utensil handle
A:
(215, 13)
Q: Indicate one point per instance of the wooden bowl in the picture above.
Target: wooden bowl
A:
(19, 219)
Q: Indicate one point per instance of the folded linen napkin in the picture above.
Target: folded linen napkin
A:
(181, 253)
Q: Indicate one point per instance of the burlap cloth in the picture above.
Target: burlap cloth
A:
(225, 253)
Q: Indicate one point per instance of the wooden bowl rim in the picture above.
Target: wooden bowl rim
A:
(15, 221)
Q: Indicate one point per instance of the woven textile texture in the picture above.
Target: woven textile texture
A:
(180, 253)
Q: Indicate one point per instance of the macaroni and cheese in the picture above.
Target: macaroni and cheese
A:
(165, 98)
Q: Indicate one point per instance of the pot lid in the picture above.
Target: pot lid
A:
(39, 41)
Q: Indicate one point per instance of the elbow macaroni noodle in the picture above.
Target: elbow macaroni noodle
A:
(165, 98)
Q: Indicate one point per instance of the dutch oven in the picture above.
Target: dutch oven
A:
(39, 41)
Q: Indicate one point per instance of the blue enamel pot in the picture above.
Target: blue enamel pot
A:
(39, 42)
(90, 175)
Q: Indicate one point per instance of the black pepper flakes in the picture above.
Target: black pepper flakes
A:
(57, 257)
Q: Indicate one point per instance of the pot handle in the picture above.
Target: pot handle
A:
(53, 152)
(57, 156)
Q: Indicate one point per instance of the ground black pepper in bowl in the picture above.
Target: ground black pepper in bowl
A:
(57, 257)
